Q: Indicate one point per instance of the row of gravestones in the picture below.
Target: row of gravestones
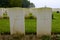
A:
(17, 25)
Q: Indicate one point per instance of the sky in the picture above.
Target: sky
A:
(47, 3)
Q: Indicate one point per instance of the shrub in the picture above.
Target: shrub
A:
(5, 16)
(1, 17)
(30, 16)
(57, 11)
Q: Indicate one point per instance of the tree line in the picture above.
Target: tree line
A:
(14, 3)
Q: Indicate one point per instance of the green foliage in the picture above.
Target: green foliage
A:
(30, 16)
(5, 16)
(30, 25)
(4, 3)
(25, 4)
(56, 23)
(14, 3)
(31, 5)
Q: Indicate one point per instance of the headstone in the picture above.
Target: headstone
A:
(44, 19)
(27, 11)
(16, 20)
(34, 11)
(1, 12)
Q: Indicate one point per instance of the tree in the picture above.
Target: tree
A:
(25, 4)
(31, 5)
(4, 3)
(17, 3)
(13, 3)
(57, 11)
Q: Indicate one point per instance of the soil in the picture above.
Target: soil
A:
(26, 37)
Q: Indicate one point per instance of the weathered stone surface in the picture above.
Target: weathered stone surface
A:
(16, 20)
(44, 19)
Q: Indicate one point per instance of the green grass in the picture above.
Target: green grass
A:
(4, 25)
(56, 23)
(30, 24)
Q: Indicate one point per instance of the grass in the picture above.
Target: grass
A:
(4, 25)
(30, 24)
(56, 23)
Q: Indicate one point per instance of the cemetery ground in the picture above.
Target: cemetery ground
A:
(30, 27)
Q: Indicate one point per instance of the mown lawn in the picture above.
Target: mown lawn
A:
(56, 23)
(30, 24)
(4, 25)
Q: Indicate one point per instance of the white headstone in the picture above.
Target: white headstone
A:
(44, 19)
(27, 11)
(16, 20)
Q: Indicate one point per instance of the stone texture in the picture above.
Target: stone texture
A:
(16, 20)
(44, 19)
